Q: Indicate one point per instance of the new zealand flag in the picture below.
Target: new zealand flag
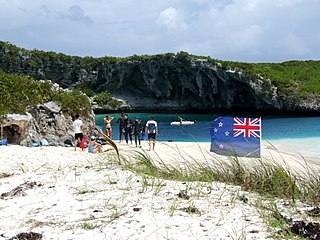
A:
(239, 137)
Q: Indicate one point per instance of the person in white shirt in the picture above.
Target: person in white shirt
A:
(152, 130)
(78, 131)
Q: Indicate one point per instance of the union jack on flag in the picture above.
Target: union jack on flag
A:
(235, 136)
(247, 127)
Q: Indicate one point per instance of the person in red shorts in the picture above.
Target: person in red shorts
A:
(78, 131)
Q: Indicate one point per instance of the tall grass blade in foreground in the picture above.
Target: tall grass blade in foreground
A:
(266, 178)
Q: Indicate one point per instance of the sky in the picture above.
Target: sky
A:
(235, 30)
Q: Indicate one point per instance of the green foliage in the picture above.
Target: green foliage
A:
(301, 77)
(73, 102)
(183, 55)
(87, 226)
(105, 98)
(20, 92)
(89, 92)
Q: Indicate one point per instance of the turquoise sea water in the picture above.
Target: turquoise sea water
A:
(273, 128)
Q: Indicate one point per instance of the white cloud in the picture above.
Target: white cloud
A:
(168, 18)
(239, 30)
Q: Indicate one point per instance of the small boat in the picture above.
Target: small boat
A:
(182, 121)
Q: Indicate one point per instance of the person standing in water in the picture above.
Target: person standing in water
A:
(152, 130)
(107, 121)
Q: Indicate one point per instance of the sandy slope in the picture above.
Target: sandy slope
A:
(77, 195)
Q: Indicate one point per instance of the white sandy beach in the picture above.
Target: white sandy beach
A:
(77, 195)
(309, 147)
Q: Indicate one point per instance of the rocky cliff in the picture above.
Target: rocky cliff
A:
(44, 121)
(162, 82)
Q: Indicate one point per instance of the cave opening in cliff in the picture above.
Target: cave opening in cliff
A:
(12, 133)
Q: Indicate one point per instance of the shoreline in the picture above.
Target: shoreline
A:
(302, 146)
(292, 147)
(225, 112)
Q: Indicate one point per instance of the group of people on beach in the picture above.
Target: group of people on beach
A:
(127, 129)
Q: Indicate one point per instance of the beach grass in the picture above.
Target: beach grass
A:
(270, 179)
(163, 191)
(266, 178)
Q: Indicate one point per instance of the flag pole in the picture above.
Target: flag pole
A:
(260, 136)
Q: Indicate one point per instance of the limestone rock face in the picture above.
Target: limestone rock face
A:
(164, 82)
(177, 84)
(14, 126)
(45, 121)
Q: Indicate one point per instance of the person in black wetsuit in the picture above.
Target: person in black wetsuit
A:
(137, 129)
(121, 125)
(127, 128)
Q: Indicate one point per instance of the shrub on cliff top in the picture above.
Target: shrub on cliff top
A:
(20, 92)
(303, 76)
(73, 102)
(105, 98)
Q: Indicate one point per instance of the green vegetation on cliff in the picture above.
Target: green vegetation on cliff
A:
(301, 77)
(105, 98)
(293, 79)
(20, 92)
